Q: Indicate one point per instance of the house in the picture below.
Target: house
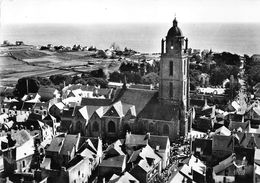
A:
(114, 149)
(146, 164)
(161, 144)
(18, 155)
(126, 177)
(62, 149)
(93, 144)
(112, 165)
(239, 126)
(239, 165)
(223, 146)
(41, 108)
(56, 110)
(31, 97)
(202, 148)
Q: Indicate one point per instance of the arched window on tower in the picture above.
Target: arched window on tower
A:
(95, 127)
(171, 90)
(166, 130)
(111, 127)
(171, 68)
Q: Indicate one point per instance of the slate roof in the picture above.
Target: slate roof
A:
(95, 102)
(223, 142)
(125, 178)
(160, 141)
(233, 125)
(157, 111)
(21, 136)
(248, 140)
(135, 140)
(17, 105)
(204, 144)
(69, 142)
(27, 106)
(56, 144)
(138, 98)
(116, 161)
(43, 105)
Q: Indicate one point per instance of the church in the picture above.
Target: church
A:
(159, 112)
(164, 112)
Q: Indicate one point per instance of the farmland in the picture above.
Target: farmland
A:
(28, 61)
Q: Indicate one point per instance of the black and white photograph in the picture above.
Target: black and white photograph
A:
(130, 91)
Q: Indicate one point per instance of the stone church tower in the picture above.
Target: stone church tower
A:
(174, 73)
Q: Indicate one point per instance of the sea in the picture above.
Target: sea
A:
(239, 38)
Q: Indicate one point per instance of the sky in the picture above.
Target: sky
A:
(128, 11)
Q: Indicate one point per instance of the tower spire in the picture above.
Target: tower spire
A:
(175, 22)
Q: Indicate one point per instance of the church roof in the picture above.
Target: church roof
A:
(158, 111)
(174, 30)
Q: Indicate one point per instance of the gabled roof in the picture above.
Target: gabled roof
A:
(136, 140)
(224, 164)
(115, 147)
(69, 143)
(249, 140)
(239, 126)
(197, 165)
(95, 102)
(205, 145)
(56, 144)
(116, 161)
(60, 105)
(158, 111)
(68, 113)
(138, 98)
(21, 136)
(156, 140)
(27, 106)
(223, 131)
(223, 142)
(16, 105)
(125, 178)
(40, 105)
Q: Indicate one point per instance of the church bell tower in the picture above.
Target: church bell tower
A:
(173, 86)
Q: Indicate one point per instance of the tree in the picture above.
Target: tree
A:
(60, 79)
(98, 73)
(218, 75)
(151, 78)
(26, 85)
(115, 76)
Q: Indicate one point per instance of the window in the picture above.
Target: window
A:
(44, 112)
(171, 68)
(95, 127)
(111, 127)
(184, 67)
(23, 164)
(166, 130)
(78, 173)
(171, 90)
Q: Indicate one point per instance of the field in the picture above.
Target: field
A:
(24, 61)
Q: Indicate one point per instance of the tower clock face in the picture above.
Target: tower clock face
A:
(172, 47)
